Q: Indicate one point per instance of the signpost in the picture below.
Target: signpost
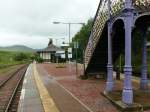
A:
(69, 53)
(70, 57)
(76, 46)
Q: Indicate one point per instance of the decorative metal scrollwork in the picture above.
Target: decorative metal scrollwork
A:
(102, 17)
(142, 5)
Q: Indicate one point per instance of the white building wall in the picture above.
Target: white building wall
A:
(41, 55)
(45, 56)
(49, 56)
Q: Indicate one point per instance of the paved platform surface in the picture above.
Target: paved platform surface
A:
(30, 99)
(64, 100)
(34, 95)
(41, 93)
(86, 91)
(48, 88)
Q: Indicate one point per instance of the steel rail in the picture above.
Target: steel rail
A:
(9, 77)
(15, 89)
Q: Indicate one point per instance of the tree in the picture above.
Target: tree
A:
(82, 38)
(36, 57)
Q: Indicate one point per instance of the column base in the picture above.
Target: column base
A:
(110, 82)
(109, 86)
(127, 96)
(144, 84)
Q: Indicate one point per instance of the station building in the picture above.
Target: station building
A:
(51, 53)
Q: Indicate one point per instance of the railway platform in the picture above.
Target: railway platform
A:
(47, 88)
(34, 96)
(41, 93)
(30, 98)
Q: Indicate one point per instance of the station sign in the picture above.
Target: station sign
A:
(60, 52)
(63, 56)
(70, 56)
(70, 50)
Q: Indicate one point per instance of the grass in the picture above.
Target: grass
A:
(7, 61)
(7, 58)
(8, 69)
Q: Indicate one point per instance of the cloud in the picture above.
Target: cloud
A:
(31, 19)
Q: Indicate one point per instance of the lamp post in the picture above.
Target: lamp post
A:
(69, 26)
(76, 46)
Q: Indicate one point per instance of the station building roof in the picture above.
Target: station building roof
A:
(50, 48)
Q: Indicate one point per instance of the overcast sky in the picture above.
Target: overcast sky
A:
(29, 22)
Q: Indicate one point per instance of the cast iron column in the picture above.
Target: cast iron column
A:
(144, 80)
(110, 82)
(127, 89)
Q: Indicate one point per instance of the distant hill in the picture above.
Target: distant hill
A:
(17, 48)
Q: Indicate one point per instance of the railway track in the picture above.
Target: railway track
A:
(10, 90)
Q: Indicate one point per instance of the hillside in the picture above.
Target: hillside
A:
(8, 58)
(17, 48)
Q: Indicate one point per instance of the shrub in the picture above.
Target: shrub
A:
(20, 57)
(39, 59)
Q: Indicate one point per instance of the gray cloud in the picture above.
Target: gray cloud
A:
(33, 18)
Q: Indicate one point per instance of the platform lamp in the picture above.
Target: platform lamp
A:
(69, 26)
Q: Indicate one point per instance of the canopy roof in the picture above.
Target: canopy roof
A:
(51, 48)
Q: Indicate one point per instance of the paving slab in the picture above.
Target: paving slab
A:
(86, 91)
(65, 101)
(30, 99)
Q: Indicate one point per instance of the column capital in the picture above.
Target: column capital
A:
(128, 10)
(128, 4)
(109, 23)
